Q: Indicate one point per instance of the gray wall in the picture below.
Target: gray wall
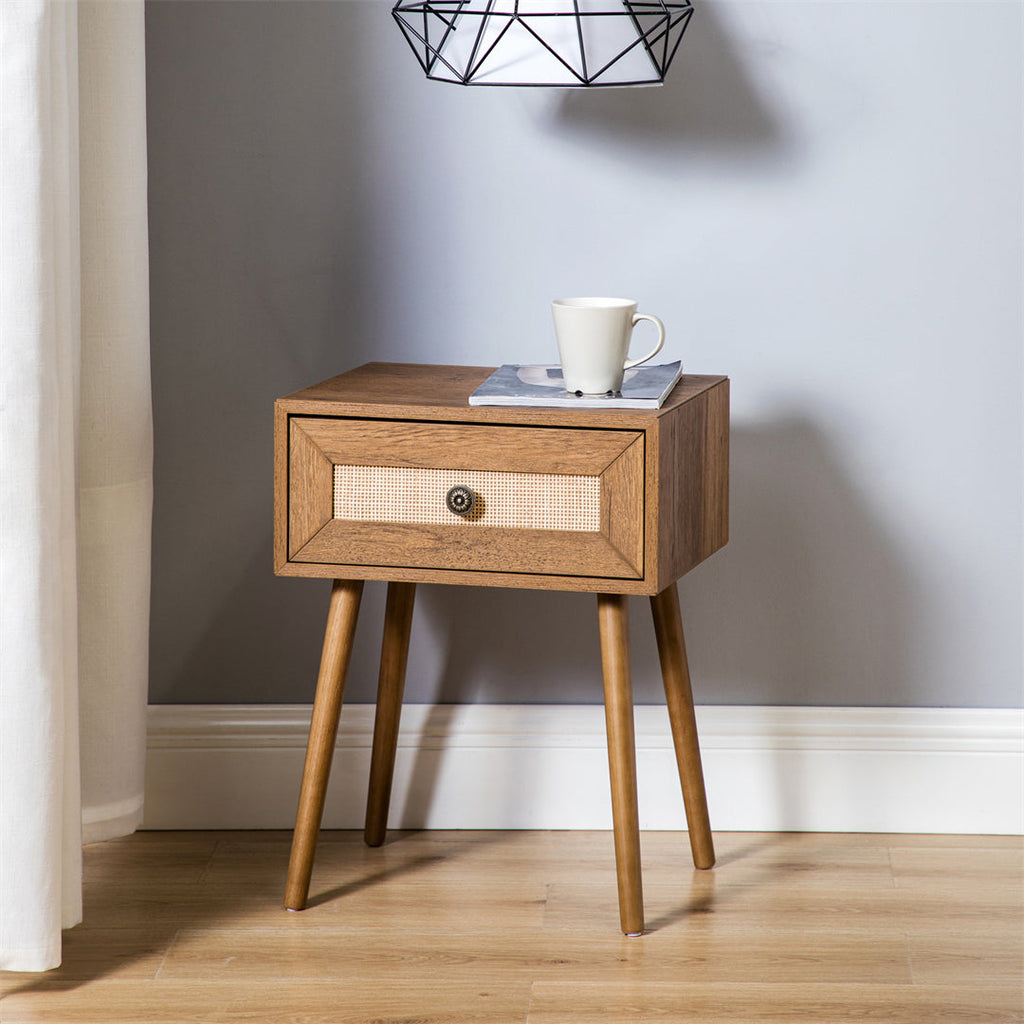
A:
(823, 203)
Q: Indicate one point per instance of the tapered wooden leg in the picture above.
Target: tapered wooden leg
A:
(394, 655)
(668, 628)
(341, 625)
(613, 618)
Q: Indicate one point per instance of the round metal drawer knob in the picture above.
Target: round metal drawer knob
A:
(460, 500)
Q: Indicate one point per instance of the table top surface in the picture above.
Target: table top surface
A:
(436, 392)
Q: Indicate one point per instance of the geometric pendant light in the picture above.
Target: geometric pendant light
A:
(559, 43)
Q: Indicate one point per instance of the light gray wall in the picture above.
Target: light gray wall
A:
(823, 203)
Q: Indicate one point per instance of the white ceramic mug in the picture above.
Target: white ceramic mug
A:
(593, 341)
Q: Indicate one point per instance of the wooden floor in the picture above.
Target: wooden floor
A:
(511, 927)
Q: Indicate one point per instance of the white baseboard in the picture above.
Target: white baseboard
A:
(545, 767)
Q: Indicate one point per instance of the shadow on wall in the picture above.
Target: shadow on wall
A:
(809, 603)
(259, 285)
(708, 106)
(513, 646)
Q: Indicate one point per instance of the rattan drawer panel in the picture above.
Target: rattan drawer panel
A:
(524, 501)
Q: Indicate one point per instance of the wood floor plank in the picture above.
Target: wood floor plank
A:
(555, 857)
(123, 863)
(88, 953)
(380, 902)
(973, 875)
(1007, 859)
(889, 912)
(439, 928)
(456, 864)
(952, 958)
(759, 1003)
(899, 841)
(331, 955)
(191, 1002)
(853, 868)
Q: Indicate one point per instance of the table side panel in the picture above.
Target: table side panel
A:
(280, 541)
(716, 490)
(692, 488)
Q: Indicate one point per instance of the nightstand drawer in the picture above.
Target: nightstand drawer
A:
(539, 500)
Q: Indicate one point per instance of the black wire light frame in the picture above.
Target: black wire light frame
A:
(428, 27)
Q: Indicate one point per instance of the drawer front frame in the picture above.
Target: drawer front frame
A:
(315, 539)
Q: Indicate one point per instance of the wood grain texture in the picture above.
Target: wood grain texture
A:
(659, 483)
(775, 900)
(281, 451)
(688, 474)
(473, 577)
(455, 446)
(951, 959)
(254, 954)
(216, 1001)
(309, 476)
(615, 457)
(445, 927)
(420, 391)
(213, 1000)
(657, 528)
(371, 549)
(675, 674)
(715, 520)
(341, 624)
(758, 1001)
(622, 487)
(394, 656)
(612, 611)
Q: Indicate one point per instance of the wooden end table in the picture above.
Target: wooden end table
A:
(387, 473)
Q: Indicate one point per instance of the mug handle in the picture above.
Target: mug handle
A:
(637, 317)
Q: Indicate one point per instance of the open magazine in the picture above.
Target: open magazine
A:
(643, 387)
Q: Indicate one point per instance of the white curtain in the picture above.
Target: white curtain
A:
(75, 453)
